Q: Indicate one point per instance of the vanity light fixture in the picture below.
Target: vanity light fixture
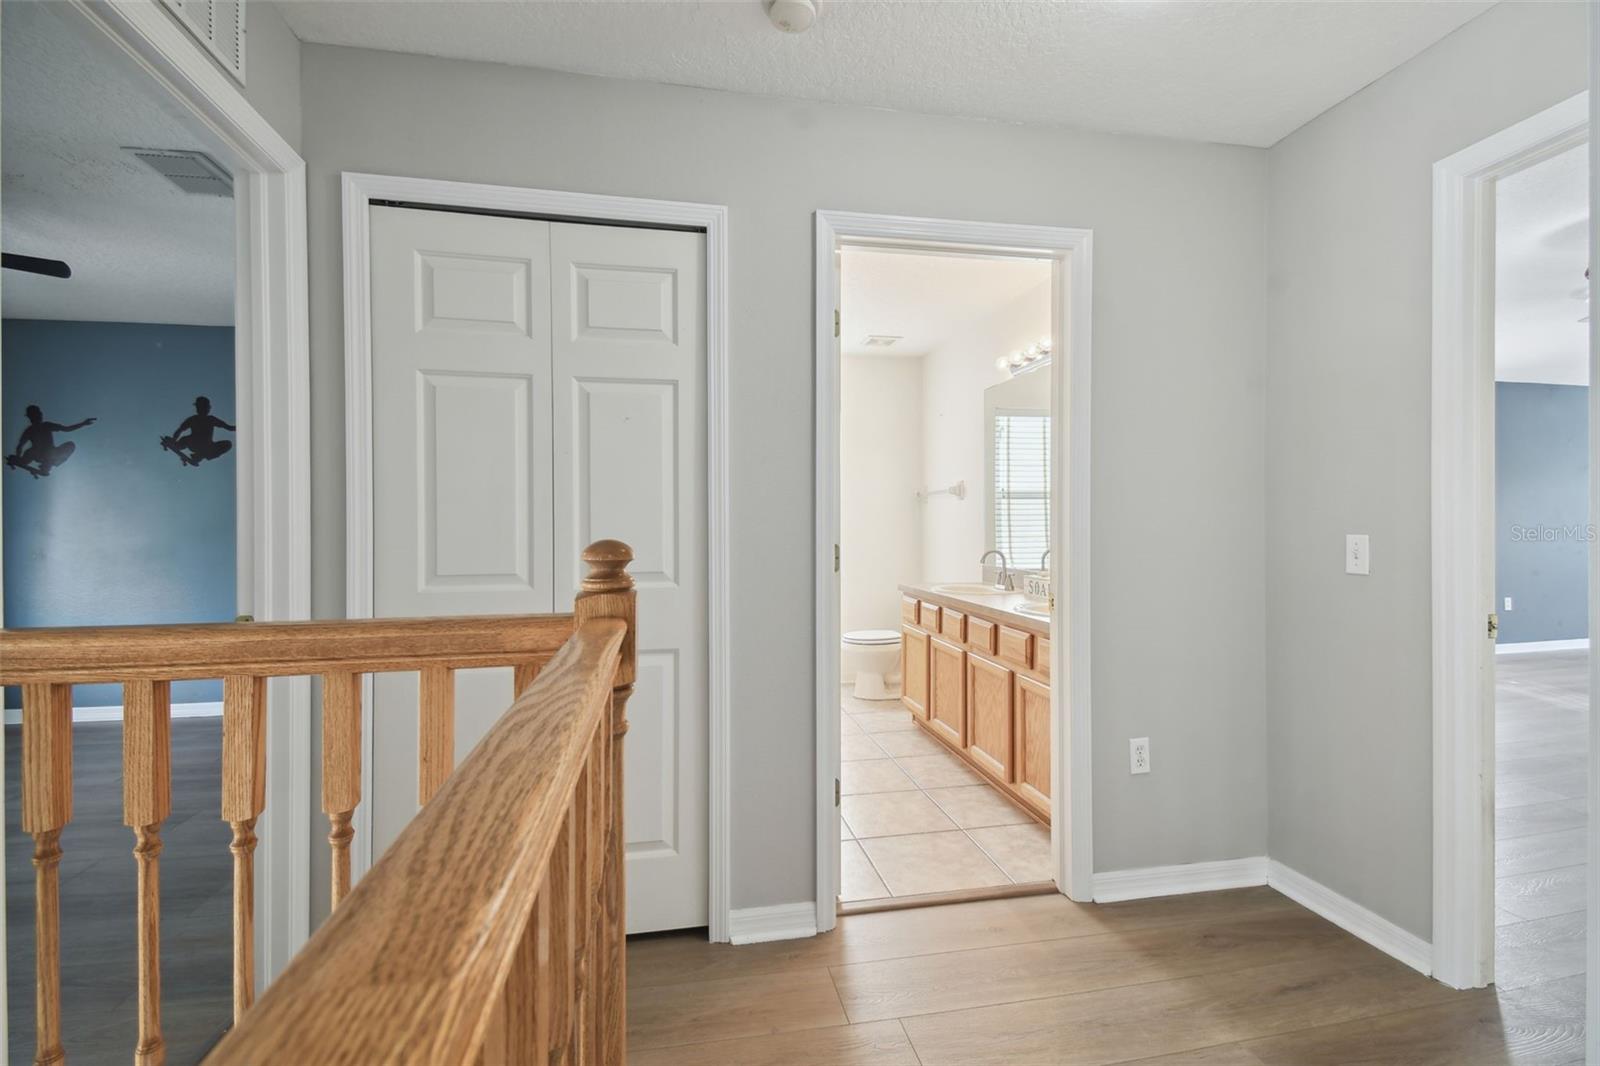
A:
(1036, 354)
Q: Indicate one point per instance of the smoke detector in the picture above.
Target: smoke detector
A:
(192, 171)
(880, 340)
(792, 16)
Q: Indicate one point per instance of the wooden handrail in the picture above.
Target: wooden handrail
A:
(491, 931)
(409, 968)
(275, 649)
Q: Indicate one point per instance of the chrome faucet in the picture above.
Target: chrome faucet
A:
(1003, 581)
(1044, 560)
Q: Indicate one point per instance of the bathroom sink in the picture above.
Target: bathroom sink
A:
(1033, 610)
(970, 588)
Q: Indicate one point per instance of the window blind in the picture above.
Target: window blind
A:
(1022, 487)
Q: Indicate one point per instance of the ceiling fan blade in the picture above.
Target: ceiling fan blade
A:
(53, 268)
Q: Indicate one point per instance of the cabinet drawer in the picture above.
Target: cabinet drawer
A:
(908, 609)
(953, 624)
(981, 634)
(928, 616)
(1041, 655)
(1016, 647)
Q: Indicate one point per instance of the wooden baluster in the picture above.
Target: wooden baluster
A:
(146, 803)
(561, 970)
(436, 730)
(519, 1027)
(522, 676)
(341, 770)
(608, 592)
(46, 810)
(244, 797)
(582, 916)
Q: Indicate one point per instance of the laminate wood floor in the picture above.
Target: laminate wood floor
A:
(99, 976)
(1541, 817)
(1242, 978)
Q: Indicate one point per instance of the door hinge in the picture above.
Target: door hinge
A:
(836, 791)
(835, 321)
(836, 558)
(1494, 625)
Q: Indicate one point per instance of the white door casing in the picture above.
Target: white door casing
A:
(628, 340)
(537, 386)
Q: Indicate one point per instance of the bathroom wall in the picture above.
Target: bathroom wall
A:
(122, 532)
(956, 373)
(880, 462)
(1541, 510)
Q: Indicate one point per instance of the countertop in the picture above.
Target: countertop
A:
(1000, 605)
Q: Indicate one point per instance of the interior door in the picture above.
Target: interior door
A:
(629, 356)
(461, 470)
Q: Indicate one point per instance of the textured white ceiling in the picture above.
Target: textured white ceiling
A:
(140, 249)
(1209, 70)
(1541, 249)
(923, 298)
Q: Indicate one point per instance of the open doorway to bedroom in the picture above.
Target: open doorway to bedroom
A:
(1542, 532)
(120, 503)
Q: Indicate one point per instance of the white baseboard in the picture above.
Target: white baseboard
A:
(114, 713)
(1150, 881)
(1524, 647)
(786, 921)
(1352, 917)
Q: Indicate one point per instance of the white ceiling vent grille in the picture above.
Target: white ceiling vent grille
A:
(881, 340)
(193, 172)
(219, 26)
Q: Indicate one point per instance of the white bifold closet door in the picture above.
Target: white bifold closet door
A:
(538, 386)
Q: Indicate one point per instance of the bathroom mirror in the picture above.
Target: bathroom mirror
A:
(1016, 414)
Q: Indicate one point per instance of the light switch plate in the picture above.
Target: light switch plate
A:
(1357, 555)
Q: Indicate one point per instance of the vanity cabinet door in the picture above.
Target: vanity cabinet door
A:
(989, 688)
(914, 671)
(947, 691)
(1031, 722)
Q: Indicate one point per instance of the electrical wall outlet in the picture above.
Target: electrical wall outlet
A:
(1508, 603)
(1139, 755)
(1356, 560)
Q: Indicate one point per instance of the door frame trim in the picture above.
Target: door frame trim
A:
(1071, 753)
(1463, 531)
(358, 190)
(272, 394)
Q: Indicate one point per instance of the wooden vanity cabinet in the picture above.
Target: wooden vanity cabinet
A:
(989, 687)
(981, 686)
(1031, 719)
(914, 671)
(947, 691)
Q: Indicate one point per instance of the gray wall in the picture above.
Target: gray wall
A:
(272, 69)
(1541, 477)
(1348, 658)
(1179, 598)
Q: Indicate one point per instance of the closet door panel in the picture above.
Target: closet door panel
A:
(629, 358)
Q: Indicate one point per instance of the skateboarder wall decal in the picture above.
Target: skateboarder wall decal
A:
(37, 451)
(192, 442)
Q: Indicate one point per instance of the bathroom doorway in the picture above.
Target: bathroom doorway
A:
(948, 570)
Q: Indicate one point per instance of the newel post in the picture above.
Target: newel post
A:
(607, 592)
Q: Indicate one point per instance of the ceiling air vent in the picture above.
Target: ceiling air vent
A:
(881, 340)
(193, 172)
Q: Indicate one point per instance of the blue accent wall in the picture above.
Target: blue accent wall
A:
(1542, 511)
(122, 532)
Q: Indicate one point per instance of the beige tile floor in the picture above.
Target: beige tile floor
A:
(915, 819)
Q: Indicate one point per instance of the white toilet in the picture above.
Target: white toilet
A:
(871, 659)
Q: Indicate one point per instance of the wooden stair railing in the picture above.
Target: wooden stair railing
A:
(491, 931)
